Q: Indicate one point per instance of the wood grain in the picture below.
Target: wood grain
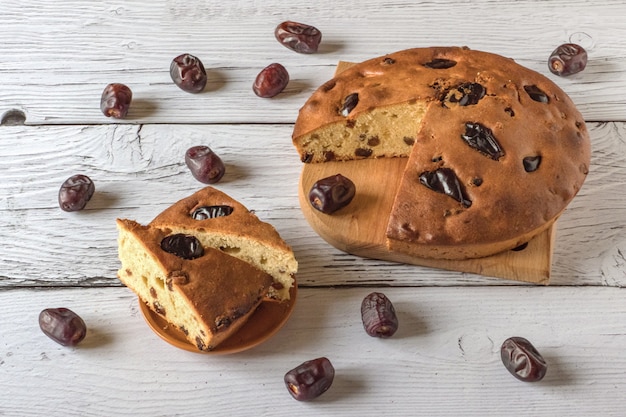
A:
(58, 57)
(139, 171)
(446, 349)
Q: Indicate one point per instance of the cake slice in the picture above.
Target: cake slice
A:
(221, 222)
(203, 291)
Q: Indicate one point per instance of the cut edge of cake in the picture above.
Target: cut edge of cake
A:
(182, 292)
(280, 264)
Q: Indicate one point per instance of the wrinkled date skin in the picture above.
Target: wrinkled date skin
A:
(332, 193)
(271, 80)
(205, 165)
(63, 326)
(304, 39)
(310, 379)
(188, 73)
(183, 246)
(75, 192)
(445, 181)
(115, 100)
(567, 59)
(211, 212)
(483, 140)
(522, 360)
(379, 315)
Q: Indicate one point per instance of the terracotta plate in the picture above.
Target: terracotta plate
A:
(264, 323)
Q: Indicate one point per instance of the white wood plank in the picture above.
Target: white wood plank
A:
(56, 59)
(58, 56)
(140, 170)
(444, 360)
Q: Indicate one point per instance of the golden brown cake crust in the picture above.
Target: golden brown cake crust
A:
(220, 290)
(503, 204)
(241, 222)
(239, 233)
(506, 201)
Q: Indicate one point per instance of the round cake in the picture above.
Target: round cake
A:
(495, 150)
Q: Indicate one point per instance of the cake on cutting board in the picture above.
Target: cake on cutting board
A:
(492, 151)
(205, 264)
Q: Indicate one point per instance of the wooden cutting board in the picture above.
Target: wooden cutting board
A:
(360, 227)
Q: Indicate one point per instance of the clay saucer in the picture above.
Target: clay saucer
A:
(266, 321)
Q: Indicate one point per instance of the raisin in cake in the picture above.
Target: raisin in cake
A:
(495, 151)
(186, 272)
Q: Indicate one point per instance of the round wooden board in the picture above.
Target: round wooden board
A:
(360, 227)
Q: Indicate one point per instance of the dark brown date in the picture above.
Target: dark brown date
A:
(304, 39)
(445, 181)
(205, 165)
(483, 140)
(567, 59)
(271, 80)
(211, 212)
(536, 93)
(310, 379)
(115, 100)
(378, 315)
(183, 246)
(522, 360)
(349, 103)
(531, 163)
(188, 73)
(62, 325)
(332, 193)
(440, 63)
(466, 94)
(75, 192)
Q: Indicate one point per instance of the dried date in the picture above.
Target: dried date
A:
(211, 212)
(483, 140)
(522, 360)
(349, 103)
(332, 193)
(445, 181)
(536, 94)
(115, 100)
(310, 379)
(304, 39)
(378, 315)
(531, 163)
(184, 246)
(205, 165)
(567, 59)
(270, 81)
(188, 73)
(62, 325)
(75, 192)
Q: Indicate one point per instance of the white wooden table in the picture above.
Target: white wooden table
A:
(55, 59)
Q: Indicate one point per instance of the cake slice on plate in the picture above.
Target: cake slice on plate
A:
(205, 264)
(204, 292)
